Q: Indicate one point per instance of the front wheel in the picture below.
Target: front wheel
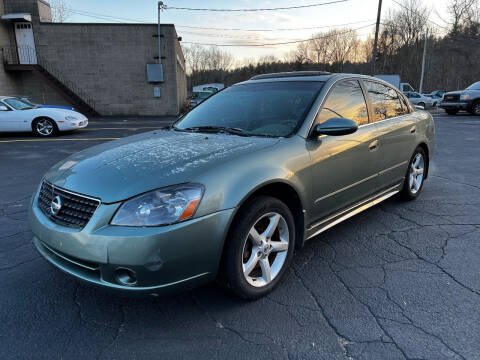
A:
(44, 127)
(417, 170)
(259, 248)
(475, 110)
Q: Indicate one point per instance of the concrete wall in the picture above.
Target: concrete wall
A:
(8, 83)
(181, 77)
(108, 61)
(22, 6)
(44, 11)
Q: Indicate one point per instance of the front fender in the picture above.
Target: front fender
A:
(232, 183)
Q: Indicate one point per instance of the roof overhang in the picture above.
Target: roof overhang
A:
(17, 17)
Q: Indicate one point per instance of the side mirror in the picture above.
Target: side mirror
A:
(419, 107)
(4, 108)
(336, 127)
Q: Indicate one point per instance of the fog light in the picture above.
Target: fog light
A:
(125, 277)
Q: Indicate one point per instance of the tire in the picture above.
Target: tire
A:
(243, 270)
(422, 104)
(415, 176)
(475, 109)
(451, 111)
(44, 127)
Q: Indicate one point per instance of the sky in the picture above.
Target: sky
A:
(360, 14)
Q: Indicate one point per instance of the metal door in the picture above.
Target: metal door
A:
(25, 43)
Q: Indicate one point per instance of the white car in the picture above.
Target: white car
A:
(17, 115)
(419, 99)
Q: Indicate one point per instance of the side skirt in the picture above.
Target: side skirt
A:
(343, 215)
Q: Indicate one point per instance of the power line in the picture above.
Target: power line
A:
(118, 19)
(276, 29)
(282, 43)
(422, 15)
(264, 9)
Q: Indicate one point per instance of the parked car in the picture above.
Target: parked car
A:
(396, 81)
(234, 187)
(468, 100)
(419, 99)
(18, 115)
(199, 96)
(29, 101)
(436, 96)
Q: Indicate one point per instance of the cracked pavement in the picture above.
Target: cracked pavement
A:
(399, 281)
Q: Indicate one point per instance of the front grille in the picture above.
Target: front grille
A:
(75, 210)
(451, 98)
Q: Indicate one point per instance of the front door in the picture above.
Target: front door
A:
(9, 120)
(345, 167)
(25, 43)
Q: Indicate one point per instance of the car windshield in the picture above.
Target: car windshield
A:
(18, 104)
(475, 86)
(258, 109)
(28, 102)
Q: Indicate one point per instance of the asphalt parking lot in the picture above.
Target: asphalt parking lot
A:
(401, 280)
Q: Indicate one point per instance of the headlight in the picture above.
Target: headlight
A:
(465, 97)
(70, 118)
(160, 207)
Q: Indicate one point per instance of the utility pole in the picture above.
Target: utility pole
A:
(160, 8)
(379, 15)
(423, 61)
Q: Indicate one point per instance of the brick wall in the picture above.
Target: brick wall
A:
(109, 62)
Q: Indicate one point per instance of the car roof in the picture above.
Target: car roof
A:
(304, 76)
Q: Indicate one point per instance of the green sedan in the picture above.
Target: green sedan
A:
(234, 186)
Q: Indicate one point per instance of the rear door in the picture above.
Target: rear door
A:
(397, 128)
(344, 168)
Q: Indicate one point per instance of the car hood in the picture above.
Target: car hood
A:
(458, 92)
(120, 169)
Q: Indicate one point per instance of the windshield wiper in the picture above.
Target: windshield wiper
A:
(216, 129)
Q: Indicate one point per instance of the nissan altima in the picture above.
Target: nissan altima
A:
(234, 187)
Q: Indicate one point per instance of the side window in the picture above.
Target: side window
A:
(346, 100)
(385, 100)
(406, 107)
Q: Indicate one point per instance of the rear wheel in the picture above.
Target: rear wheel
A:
(451, 111)
(44, 127)
(422, 104)
(259, 248)
(417, 170)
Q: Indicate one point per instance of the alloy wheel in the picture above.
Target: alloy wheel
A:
(476, 108)
(44, 127)
(265, 249)
(416, 172)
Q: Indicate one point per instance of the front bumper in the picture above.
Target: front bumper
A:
(461, 105)
(162, 259)
(72, 125)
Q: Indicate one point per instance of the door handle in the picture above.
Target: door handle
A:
(373, 145)
(413, 129)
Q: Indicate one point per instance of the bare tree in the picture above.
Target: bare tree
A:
(60, 11)
(462, 13)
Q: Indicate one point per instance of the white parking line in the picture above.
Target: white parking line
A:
(48, 140)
